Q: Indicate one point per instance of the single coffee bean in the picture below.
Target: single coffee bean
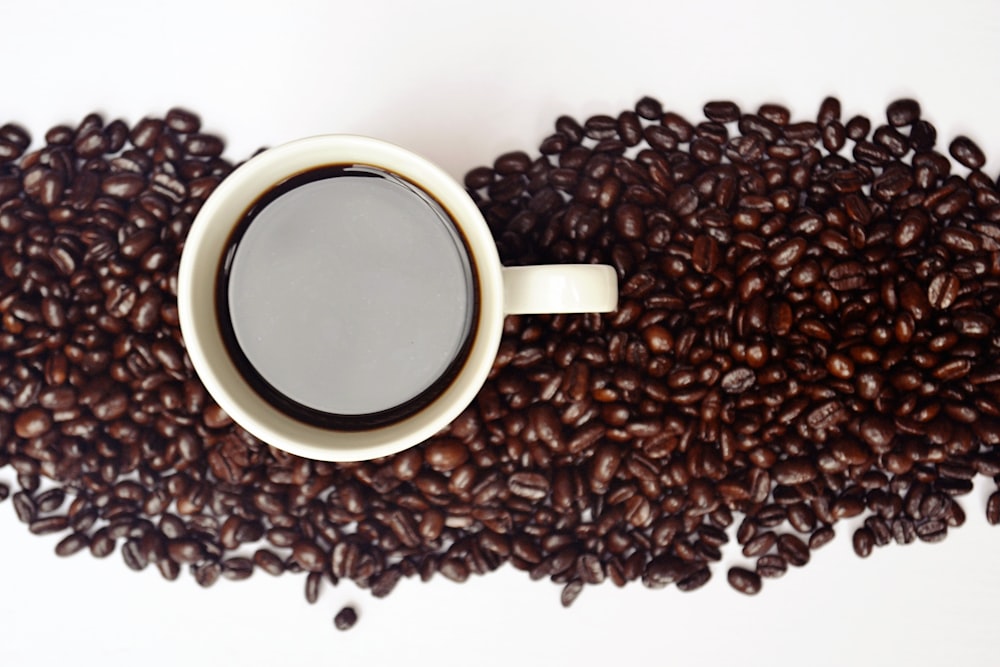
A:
(24, 507)
(102, 543)
(313, 581)
(864, 542)
(771, 566)
(760, 544)
(903, 112)
(793, 549)
(570, 593)
(237, 569)
(993, 508)
(880, 530)
(133, 555)
(821, 537)
(933, 530)
(268, 562)
(71, 544)
(967, 152)
(345, 618)
(185, 550)
(745, 581)
(51, 524)
(903, 530)
(722, 112)
(829, 111)
(207, 573)
(695, 580)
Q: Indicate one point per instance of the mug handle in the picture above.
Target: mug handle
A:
(559, 288)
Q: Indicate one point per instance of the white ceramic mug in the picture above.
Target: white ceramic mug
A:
(501, 291)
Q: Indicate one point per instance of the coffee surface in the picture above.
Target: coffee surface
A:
(349, 291)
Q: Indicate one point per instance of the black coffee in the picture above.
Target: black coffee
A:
(347, 297)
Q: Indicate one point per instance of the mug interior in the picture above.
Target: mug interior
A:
(207, 243)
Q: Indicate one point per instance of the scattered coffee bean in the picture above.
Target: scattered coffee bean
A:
(864, 542)
(805, 334)
(743, 580)
(345, 618)
(967, 152)
(993, 508)
(771, 566)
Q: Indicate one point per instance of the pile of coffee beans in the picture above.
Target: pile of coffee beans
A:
(806, 333)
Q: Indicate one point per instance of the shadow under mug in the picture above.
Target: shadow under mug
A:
(263, 308)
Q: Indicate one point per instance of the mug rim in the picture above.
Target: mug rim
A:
(203, 254)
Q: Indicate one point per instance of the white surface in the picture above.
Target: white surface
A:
(461, 82)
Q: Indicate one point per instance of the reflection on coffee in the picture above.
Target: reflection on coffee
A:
(347, 297)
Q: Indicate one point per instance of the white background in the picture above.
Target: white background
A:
(461, 82)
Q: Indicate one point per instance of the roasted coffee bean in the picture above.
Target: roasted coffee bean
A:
(743, 580)
(793, 549)
(102, 543)
(649, 108)
(695, 580)
(206, 574)
(313, 581)
(760, 544)
(237, 569)
(308, 556)
(722, 112)
(268, 562)
(933, 530)
(24, 507)
(51, 524)
(903, 112)
(821, 537)
(570, 593)
(967, 152)
(864, 542)
(184, 550)
(903, 530)
(880, 530)
(134, 556)
(446, 455)
(771, 566)
(345, 618)
(71, 544)
(993, 508)
(531, 486)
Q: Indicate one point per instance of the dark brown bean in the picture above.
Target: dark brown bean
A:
(345, 618)
(793, 549)
(24, 507)
(821, 537)
(269, 562)
(237, 569)
(71, 544)
(771, 566)
(745, 581)
(864, 542)
(722, 112)
(933, 530)
(993, 508)
(446, 455)
(967, 152)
